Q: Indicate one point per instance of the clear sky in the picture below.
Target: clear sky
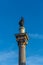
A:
(10, 14)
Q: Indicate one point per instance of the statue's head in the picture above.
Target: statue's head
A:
(21, 22)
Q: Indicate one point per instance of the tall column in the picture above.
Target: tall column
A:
(22, 38)
(22, 55)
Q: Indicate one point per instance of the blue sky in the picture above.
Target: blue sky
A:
(10, 14)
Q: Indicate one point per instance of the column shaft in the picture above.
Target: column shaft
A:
(22, 55)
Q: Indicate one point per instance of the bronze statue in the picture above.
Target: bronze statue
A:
(21, 22)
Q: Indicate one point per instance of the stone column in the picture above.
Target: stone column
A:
(22, 55)
(22, 39)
